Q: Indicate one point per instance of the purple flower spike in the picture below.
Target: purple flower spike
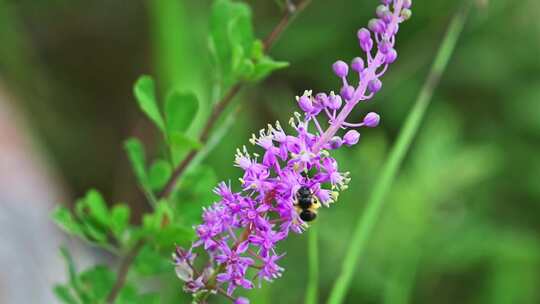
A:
(371, 120)
(341, 69)
(357, 64)
(240, 232)
(351, 138)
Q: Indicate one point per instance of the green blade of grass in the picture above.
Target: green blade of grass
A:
(367, 220)
(313, 266)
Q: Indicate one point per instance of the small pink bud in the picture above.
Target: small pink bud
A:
(391, 56)
(371, 120)
(363, 35)
(375, 85)
(341, 69)
(351, 138)
(357, 64)
(377, 25)
(334, 101)
(335, 142)
(347, 92)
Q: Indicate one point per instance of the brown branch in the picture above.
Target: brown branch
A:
(217, 110)
(123, 271)
(291, 11)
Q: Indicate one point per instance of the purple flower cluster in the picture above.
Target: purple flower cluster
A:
(239, 233)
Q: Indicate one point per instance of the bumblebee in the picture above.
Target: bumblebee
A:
(306, 204)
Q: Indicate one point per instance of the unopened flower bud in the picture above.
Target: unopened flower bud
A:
(367, 45)
(384, 46)
(371, 120)
(381, 9)
(407, 4)
(347, 92)
(341, 69)
(335, 142)
(391, 56)
(351, 138)
(375, 85)
(334, 101)
(357, 64)
(377, 25)
(321, 99)
(406, 14)
(363, 35)
(387, 17)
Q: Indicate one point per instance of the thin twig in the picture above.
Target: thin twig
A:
(220, 106)
(123, 271)
(217, 110)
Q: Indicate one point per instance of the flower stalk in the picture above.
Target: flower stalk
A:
(283, 187)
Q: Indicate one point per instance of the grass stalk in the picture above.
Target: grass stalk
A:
(313, 266)
(368, 219)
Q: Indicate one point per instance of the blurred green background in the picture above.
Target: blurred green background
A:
(462, 222)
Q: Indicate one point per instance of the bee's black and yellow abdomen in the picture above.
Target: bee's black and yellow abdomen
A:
(306, 204)
(308, 215)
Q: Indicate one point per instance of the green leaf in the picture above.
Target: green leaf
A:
(97, 208)
(64, 295)
(180, 142)
(119, 219)
(93, 232)
(230, 27)
(160, 218)
(257, 50)
(150, 262)
(129, 295)
(193, 194)
(145, 92)
(176, 233)
(159, 174)
(63, 218)
(180, 111)
(135, 152)
(240, 26)
(265, 66)
(93, 216)
(97, 283)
